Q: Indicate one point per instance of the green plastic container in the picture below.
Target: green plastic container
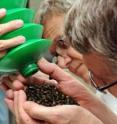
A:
(30, 31)
(24, 57)
(10, 4)
(27, 15)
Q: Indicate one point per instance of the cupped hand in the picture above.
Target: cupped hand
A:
(63, 114)
(72, 87)
(16, 105)
(30, 112)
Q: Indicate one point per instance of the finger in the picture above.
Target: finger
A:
(6, 44)
(10, 105)
(38, 112)
(12, 25)
(21, 78)
(17, 85)
(2, 12)
(21, 101)
(54, 71)
(16, 109)
(38, 80)
(10, 94)
(7, 82)
(2, 53)
(48, 114)
(23, 116)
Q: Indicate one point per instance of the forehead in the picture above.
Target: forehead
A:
(53, 26)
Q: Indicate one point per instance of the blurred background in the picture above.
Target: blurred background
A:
(34, 4)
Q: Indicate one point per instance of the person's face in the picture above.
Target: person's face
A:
(67, 57)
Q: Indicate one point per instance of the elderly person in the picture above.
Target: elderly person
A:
(90, 28)
(51, 14)
(4, 45)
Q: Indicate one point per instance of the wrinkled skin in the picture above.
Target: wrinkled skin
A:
(67, 57)
(90, 106)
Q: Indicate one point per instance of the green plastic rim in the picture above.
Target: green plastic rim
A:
(23, 57)
(29, 70)
(27, 15)
(10, 4)
(29, 31)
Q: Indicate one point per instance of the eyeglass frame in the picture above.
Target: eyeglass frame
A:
(102, 88)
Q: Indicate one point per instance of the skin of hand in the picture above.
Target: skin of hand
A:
(38, 114)
(13, 81)
(17, 107)
(72, 87)
(7, 27)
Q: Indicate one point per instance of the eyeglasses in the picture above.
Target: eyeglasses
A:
(61, 42)
(100, 88)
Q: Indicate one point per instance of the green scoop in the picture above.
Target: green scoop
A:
(24, 57)
(27, 15)
(9, 4)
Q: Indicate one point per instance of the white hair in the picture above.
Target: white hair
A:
(91, 25)
(47, 7)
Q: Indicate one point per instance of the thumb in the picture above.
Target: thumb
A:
(53, 70)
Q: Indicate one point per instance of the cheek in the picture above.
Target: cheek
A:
(74, 54)
(61, 52)
(97, 67)
(92, 66)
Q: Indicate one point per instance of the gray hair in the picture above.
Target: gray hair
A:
(92, 25)
(49, 7)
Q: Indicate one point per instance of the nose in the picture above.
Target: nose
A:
(63, 62)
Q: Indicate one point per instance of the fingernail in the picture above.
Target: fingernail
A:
(21, 39)
(2, 11)
(21, 92)
(19, 23)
